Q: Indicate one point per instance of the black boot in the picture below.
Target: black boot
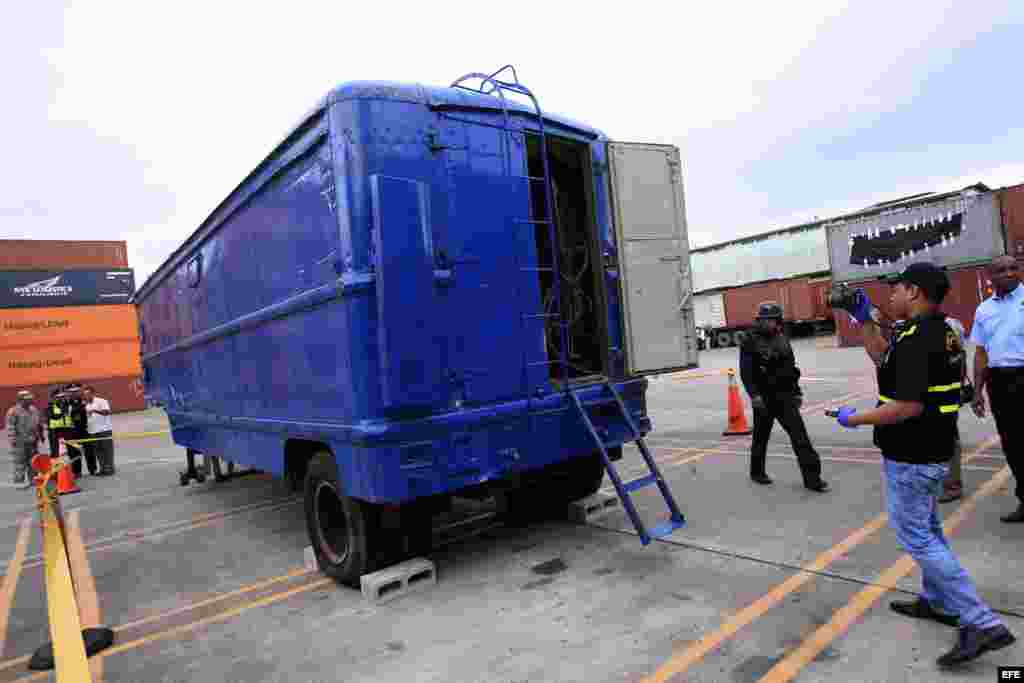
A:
(761, 479)
(1014, 517)
(922, 609)
(973, 642)
(820, 486)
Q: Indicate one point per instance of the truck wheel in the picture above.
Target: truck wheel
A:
(723, 339)
(738, 337)
(341, 529)
(546, 493)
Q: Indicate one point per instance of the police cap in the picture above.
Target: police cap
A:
(932, 279)
(769, 310)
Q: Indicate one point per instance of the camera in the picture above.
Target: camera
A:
(842, 297)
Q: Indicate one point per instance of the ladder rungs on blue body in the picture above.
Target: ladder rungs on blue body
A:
(676, 519)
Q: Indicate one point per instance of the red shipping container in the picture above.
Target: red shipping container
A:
(796, 297)
(124, 393)
(62, 254)
(1011, 200)
(968, 288)
(819, 297)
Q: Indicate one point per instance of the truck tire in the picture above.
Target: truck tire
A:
(738, 337)
(343, 531)
(723, 339)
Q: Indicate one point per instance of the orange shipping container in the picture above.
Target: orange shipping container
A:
(69, 363)
(125, 394)
(67, 325)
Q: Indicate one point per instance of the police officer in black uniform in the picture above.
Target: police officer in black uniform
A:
(772, 379)
(59, 421)
(79, 430)
(920, 382)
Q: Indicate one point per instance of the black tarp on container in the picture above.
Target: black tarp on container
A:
(958, 229)
(45, 288)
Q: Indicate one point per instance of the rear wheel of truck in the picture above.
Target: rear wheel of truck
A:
(342, 530)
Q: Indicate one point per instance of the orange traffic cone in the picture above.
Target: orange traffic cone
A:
(65, 476)
(737, 420)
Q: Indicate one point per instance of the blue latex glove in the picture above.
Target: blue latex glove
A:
(862, 311)
(844, 416)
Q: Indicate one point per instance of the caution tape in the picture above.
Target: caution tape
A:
(114, 437)
(711, 373)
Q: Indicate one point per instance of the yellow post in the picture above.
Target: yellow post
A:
(70, 661)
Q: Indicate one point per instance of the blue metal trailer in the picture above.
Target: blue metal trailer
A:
(427, 291)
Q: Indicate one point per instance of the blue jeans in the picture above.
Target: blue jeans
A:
(910, 494)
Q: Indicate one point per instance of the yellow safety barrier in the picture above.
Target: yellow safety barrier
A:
(71, 644)
(118, 437)
(682, 377)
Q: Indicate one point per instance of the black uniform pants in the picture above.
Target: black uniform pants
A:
(1006, 395)
(784, 409)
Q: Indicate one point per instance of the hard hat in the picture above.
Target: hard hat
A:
(769, 310)
(24, 393)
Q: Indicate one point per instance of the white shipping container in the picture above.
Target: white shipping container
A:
(709, 310)
(778, 256)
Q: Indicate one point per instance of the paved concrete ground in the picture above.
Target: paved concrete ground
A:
(206, 582)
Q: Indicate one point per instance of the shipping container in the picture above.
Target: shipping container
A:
(67, 325)
(968, 288)
(819, 297)
(1011, 200)
(952, 230)
(69, 362)
(780, 255)
(49, 288)
(61, 254)
(793, 295)
(124, 393)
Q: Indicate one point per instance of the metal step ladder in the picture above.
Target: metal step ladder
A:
(676, 519)
(490, 84)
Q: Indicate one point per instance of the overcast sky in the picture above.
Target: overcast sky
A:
(133, 120)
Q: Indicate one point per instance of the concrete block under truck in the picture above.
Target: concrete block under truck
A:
(427, 292)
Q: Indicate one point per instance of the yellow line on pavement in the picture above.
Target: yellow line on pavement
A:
(85, 585)
(788, 668)
(223, 616)
(10, 583)
(693, 654)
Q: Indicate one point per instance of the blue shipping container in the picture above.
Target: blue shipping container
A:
(377, 310)
(44, 288)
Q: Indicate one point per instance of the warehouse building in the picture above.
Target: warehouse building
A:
(66, 316)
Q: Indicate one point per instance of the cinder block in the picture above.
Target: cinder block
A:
(398, 580)
(309, 559)
(592, 507)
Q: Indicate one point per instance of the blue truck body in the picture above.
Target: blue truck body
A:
(375, 289)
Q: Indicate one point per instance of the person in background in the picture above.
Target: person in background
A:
(100, 427)
(59, 421)
(24, 431)
(953, 486)
(998, 333)
(772, 379)
(79, 430)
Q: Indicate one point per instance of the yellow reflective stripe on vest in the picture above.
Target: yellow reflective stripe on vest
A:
(945, 387)
(949, 409)
(907, 333)
(884, 399)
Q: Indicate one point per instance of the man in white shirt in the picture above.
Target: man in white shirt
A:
(97, 411)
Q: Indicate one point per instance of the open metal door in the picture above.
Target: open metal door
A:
(654, 262)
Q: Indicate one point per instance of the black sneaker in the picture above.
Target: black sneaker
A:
(819, 486)
(760, 479)
(973, 642)
(922, 609)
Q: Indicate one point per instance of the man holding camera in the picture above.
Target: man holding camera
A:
(772, 379)
(919, 382)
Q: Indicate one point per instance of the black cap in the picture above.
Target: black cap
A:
(932, 279)
(769, 310)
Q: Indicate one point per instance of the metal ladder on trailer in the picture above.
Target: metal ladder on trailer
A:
(623, 489)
